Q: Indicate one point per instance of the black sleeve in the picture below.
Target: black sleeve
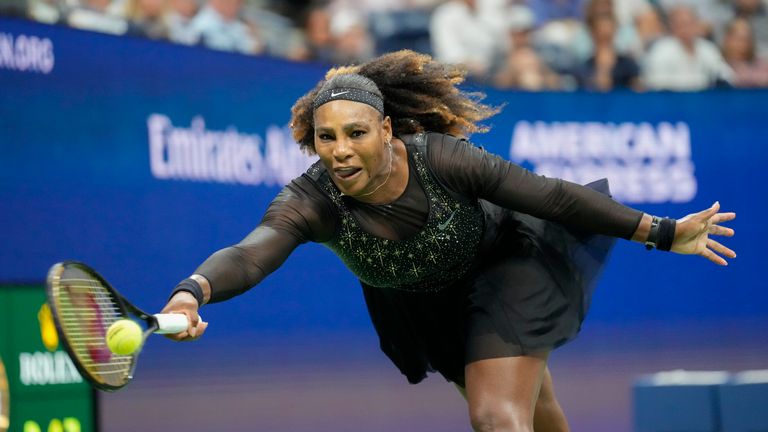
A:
(471, 171)
(300, 213)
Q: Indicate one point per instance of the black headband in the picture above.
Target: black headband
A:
(352, 94)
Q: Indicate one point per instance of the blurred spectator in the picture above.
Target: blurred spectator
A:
(649, 26)
(351, 41)
(494, 14)
(739, 52)
(367, 6)
(559, 24)
(179, 19)
(461, 34)
(717, 14)
(394, 30)
(147, 18)
(606, 69)
(520, 24)
(709, 13)
(627, 11)
(554, 43)
(392, 25)
(17, 8)
(218, 26)
(47, 11)
(625, 37)
(317, 29)
(538, 44)
(684, 61)
(522, 68)
(295, 10)
(96, 15)
(275, 32)
(756, 12)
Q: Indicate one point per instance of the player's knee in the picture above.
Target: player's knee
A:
(499, 417)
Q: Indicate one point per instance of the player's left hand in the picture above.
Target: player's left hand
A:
(693, 231)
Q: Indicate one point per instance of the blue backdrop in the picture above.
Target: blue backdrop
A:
(142, 158)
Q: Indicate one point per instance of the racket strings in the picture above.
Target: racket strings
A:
(86, 310)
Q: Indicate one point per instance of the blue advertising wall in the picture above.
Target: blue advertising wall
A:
(143, 158)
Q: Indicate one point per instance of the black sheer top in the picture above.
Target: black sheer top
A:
(303, 212)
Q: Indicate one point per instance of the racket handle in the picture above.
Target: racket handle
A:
(171, 323)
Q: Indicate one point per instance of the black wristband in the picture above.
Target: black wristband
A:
(666, 234)
(653, 234)
(191, 286)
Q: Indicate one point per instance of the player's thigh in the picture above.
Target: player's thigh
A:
(502, 392)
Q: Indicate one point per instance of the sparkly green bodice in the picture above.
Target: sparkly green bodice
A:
(442, 252)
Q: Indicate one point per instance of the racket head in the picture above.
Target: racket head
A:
(84, 305)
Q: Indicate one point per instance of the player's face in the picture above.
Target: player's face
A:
(350, 138)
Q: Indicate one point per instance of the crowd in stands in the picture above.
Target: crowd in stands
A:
(519, 44)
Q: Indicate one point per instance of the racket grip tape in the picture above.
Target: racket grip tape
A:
(171, 323)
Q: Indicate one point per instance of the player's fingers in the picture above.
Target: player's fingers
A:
(196, 327)
(715, 258)
(724, 217)
(178, 337)
(194, 333)
(192, 329)
(710, 212)
(193, 318)
(719, 248)
(189, 338)
(720, 230)
(201, 328)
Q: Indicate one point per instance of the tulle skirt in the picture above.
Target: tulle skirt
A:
(528, 291)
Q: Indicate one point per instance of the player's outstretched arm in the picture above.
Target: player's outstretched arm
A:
(692, 234)
(232, 270)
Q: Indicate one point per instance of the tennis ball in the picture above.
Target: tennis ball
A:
(124, 337)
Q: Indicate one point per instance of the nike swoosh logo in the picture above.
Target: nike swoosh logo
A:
(339, 93)
(444, 225)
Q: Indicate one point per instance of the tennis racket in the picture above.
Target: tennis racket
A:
(84, 305)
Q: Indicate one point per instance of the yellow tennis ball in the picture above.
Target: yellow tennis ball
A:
(124, 337)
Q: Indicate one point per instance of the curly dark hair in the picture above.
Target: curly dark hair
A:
(419, 94)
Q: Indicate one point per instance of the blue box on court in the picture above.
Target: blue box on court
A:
(678, 401)
(744, 402)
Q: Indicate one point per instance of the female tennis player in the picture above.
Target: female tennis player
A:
(471, 266)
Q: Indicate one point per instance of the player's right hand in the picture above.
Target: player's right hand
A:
(185, 303)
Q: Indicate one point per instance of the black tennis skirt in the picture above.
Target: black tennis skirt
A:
(529, 291)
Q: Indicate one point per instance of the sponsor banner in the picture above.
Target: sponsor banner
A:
(26, 53)
(40, 387)
(143, 158)
(45, 368)
(646, 163)
(199, 154)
